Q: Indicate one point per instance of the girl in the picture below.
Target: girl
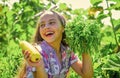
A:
(57, 57)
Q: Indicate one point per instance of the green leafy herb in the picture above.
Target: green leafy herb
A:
(83, 35)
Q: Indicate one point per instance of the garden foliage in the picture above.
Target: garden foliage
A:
(19, 22)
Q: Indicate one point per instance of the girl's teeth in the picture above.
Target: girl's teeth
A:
(49, 33)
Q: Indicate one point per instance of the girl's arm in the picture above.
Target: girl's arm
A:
(84, 68)
(40, 71)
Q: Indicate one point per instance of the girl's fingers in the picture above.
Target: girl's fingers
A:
(26, 54)
(35, 64)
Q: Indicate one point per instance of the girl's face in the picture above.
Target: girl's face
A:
(50, 27)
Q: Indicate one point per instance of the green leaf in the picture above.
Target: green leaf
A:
(113, 63)
(36, 1)
(101, 16)
(10, 18)
(95, 2)
(1, 7)
(27, 9)
(63, 6)
(116, 24)
(53, 1)
(114, 0)
(5, 9)
(116, 6)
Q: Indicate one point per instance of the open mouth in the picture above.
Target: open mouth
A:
(49, 34)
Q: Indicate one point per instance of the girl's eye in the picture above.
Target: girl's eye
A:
(51, 23)
(42, 25)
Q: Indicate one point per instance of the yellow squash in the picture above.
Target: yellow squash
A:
(35, 56)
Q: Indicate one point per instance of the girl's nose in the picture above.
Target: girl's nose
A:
(47, 26)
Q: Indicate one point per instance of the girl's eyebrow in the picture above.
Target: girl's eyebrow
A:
(52, 19)
(49, 20)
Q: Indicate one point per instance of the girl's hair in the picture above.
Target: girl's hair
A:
(37, 38)
(21, 70)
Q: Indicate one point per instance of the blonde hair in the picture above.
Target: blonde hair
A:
(22, 70)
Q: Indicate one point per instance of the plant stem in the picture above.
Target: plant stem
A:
(111, 20)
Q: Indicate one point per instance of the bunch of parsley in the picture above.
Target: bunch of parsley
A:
(83, 35)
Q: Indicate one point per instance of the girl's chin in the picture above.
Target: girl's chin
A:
(49, 40)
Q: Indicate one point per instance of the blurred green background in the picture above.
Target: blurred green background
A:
(19, 22)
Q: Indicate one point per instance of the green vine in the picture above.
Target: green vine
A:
(111, 20)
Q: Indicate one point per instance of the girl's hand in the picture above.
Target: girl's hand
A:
(40, 70)
(27, 58)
